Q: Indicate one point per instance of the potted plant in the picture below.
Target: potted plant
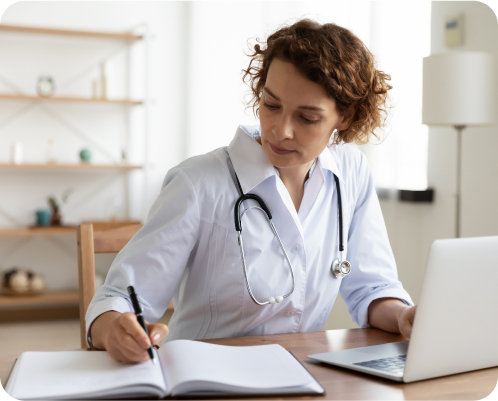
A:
(56, 219)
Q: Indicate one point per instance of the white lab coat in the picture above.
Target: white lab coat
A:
(187, 250)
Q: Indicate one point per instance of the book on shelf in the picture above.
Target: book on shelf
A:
(185, 369)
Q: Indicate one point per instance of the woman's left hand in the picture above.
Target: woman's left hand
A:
(405, 320)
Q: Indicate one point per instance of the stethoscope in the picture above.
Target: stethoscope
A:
(340, 266)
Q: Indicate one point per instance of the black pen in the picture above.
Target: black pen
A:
(140, 317)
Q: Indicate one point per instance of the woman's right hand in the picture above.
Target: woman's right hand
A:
(121, 335)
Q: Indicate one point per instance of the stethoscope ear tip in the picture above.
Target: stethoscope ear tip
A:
(277, 300)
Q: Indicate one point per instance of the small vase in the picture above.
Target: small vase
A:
(56, 217)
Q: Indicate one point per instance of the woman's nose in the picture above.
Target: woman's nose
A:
(283, 129)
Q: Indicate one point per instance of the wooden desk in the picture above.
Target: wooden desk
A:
(346, 384)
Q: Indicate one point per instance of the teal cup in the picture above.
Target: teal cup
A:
(43, 218)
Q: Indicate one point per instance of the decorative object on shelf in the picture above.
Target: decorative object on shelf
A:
(17, 281)
(45, 86)
(85, 156)
(95, 89)
(16, 153)
(56, 216)
(43, 218)
(99, 85)
(50, 151)
(103, 82)
(56, 219)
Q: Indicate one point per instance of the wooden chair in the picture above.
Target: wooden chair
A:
(91, 242)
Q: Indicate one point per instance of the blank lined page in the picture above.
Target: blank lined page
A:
(71, 373)
(257, 367)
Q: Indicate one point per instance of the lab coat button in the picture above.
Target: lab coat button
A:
(291, 313)
(296, 248)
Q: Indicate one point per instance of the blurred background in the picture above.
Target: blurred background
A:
(90, 122)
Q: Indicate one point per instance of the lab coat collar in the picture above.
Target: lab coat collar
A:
(328, 162)
(248, 158)
(251, 164)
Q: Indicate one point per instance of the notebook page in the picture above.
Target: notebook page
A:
(76, 373)
(257, 367)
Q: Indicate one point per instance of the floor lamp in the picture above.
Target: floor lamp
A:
(458, 91)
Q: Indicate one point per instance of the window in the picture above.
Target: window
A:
(397, 33)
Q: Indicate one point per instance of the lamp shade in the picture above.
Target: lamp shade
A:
(458, 89)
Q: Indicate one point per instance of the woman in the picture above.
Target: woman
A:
(316, 89)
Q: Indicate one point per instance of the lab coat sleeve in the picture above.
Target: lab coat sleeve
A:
(155, 258)
(373, 268)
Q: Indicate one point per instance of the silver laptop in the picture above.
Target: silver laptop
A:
(456, 323)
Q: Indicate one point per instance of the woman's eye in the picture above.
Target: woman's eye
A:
(269, 106)
(310, 121)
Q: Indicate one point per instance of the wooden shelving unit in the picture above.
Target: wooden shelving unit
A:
(64, 304)
(70, 32)
(49, 305)
(72, 99)
(68, 166)
(47, 298)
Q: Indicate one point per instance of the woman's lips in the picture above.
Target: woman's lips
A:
(280, 151)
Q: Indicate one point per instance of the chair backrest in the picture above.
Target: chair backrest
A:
(91, 242)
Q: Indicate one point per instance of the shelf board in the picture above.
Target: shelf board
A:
(12, 307)
(37, 231)
(47, 299)
(70, 32)
(17, 96)
(62, 230)
(68, 166)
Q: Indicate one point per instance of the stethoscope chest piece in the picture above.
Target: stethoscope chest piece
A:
(341, 268)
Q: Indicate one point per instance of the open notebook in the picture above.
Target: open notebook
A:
(186, 368)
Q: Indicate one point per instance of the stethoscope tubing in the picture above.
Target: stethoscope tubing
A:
(339, 204)
(241, 247)
(236, 210)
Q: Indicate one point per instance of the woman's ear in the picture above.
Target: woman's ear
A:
(347, 118)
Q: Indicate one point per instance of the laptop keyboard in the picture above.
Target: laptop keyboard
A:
(393, 364)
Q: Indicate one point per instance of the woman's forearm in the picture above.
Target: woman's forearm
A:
(384, 313)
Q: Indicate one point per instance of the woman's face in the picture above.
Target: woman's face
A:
(297, 117)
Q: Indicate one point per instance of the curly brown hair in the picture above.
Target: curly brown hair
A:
(335, 58)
